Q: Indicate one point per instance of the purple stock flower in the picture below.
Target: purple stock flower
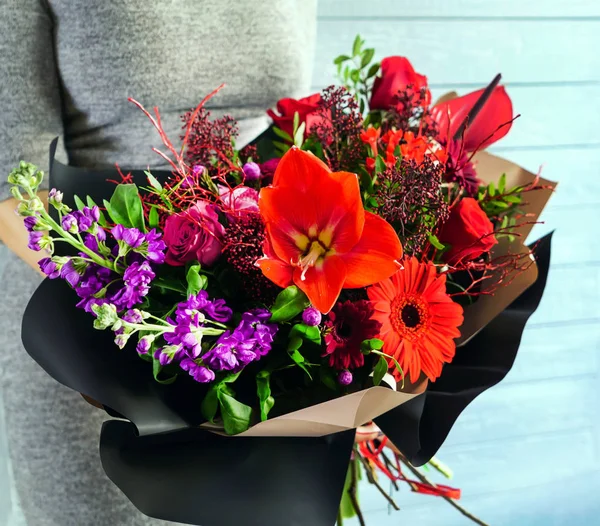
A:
(197, 372)
(251, 171)
(136, 284)
(69, 223)
(70, 274)
(231, 353)
(49, 267)
(311, 317)
(34, 241)
(144, 344)
(218, 311)
(94, 279)
(155, 251)
(30, 222)
(132, 237)
(345, 378)
(253, 327)
(166, 355)
(133, 316)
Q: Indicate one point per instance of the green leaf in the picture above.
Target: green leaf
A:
(502, 183)
(306, 332)
(297, 357)
(492, 189)
(516, 199)
(210, 404)
(347, 510)
(78, 202)
(284, 135)
(328, 378)
(299, 135)
(126, 207)
(195, 281)
(296, 121)
(380, 369)
(340, 58)
(236, 416)
(153, 219)
(356, 46)
(373, 70)
(289, 303)
(153, 181)
(156, 369)
(263, 390)
(433, 239)
(355, 75)
(380, 164)
(367, 57)
(375, 344)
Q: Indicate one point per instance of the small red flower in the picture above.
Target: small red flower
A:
(307, 109)
(469, 232)
(417, 147)
(397, 74)
(348, 325)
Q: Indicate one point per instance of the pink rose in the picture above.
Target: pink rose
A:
(195, 234)
(239, 199)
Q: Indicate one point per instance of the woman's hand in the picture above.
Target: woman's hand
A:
(13, 233)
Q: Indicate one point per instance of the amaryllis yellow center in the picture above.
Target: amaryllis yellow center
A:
(409, 315)
(313, 249)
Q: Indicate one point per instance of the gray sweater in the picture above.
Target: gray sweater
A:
(66, 69)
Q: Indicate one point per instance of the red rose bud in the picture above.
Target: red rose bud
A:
(397, 74)
(469, 232)
(307, 109)
(195, 234)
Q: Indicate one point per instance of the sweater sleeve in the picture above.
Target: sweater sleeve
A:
(30, 98)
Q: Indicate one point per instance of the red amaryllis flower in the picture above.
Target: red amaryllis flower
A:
(349, 324)
(319, 236)
(483, 131)
(419, 321)
(397, 74)
(307, 109)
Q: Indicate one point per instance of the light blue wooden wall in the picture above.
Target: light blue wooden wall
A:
(526, 452)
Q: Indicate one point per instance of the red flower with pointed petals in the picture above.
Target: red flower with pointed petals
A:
(396, 74)
(483, 131)
(307, 109)
(319, 236)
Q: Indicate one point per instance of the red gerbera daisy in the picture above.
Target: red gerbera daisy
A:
(419, 321)
(349, 324)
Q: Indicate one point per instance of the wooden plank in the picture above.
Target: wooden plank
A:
(571, 294)
(576, 169)
(577, 504)
(526, 408)
(463, 9)
(469, 52)
(553, 352)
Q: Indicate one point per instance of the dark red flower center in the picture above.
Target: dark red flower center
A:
(343, 331)
(410, 316)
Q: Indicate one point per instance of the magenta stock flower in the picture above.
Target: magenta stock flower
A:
(195, 234)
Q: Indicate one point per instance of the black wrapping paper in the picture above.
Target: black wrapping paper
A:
(172, 470)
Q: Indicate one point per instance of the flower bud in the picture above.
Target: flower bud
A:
(144, 344)
(15, 193)
(69, 223)
(121, 340)
(36, 205)
(106, 315)
(23, 209)
(251, 171)
(311, 317)
(55, 197)
(345, 378)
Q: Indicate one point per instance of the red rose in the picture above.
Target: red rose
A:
(469, 232)
(307, 109)
(396, 74)
(195, 234)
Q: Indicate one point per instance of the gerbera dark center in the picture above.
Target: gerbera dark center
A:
(344, 331)
(410, 316)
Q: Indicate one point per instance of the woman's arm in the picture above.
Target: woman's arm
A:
(30, 105)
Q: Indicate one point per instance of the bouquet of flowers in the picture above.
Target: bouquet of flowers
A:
(288, 291)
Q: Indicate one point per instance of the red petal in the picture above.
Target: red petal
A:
(323, 282)
(483, 131)
(299, 170)
(376, 255)
(277, 271)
